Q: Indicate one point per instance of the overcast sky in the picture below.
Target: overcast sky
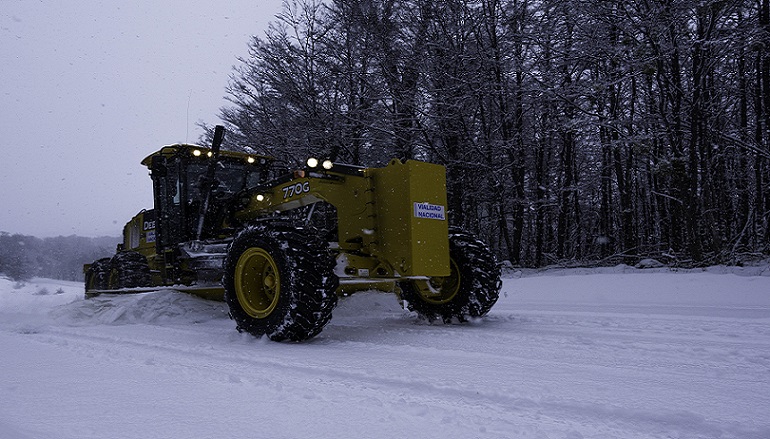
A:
(90, 88)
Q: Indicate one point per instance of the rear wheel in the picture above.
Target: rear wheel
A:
(470, 290)
(279, 282)
(97, 277)
(129, 269)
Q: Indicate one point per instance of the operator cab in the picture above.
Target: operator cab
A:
(180, 182)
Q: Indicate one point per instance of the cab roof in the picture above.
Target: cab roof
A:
(202, 151)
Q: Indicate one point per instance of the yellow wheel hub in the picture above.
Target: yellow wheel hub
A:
(440, 290)
(257, 283)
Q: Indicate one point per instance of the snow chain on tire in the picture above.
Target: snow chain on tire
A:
(98, 276)
(286, 279)
(470, 291)
(129, 269)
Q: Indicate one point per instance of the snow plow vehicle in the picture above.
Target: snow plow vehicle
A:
(280, 247)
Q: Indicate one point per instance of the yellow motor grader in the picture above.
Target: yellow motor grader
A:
(281, 247)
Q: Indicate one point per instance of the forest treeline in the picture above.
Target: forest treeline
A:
(572, 130)
(23, 257)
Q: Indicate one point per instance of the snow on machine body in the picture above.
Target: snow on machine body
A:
(280, 249)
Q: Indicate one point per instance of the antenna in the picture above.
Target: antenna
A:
(187, 134)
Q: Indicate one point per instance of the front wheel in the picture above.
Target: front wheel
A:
(470, 290)
(279, 282)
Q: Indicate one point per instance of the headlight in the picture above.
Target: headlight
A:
(327, 164)
(260, 197)
(196, 152)
(251, 159)
(312, 162)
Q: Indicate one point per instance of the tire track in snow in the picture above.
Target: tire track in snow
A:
(206, 359)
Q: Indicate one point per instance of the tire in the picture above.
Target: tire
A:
(470, 291)
(129, 269)
(279, 281)
(97, 276)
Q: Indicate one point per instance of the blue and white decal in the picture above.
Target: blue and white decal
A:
(429, 211)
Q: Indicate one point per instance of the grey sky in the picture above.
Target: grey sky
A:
(89, 88)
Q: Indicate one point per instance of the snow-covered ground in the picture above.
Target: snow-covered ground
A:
(601, 353)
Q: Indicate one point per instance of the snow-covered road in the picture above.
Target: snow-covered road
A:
(611, 353)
